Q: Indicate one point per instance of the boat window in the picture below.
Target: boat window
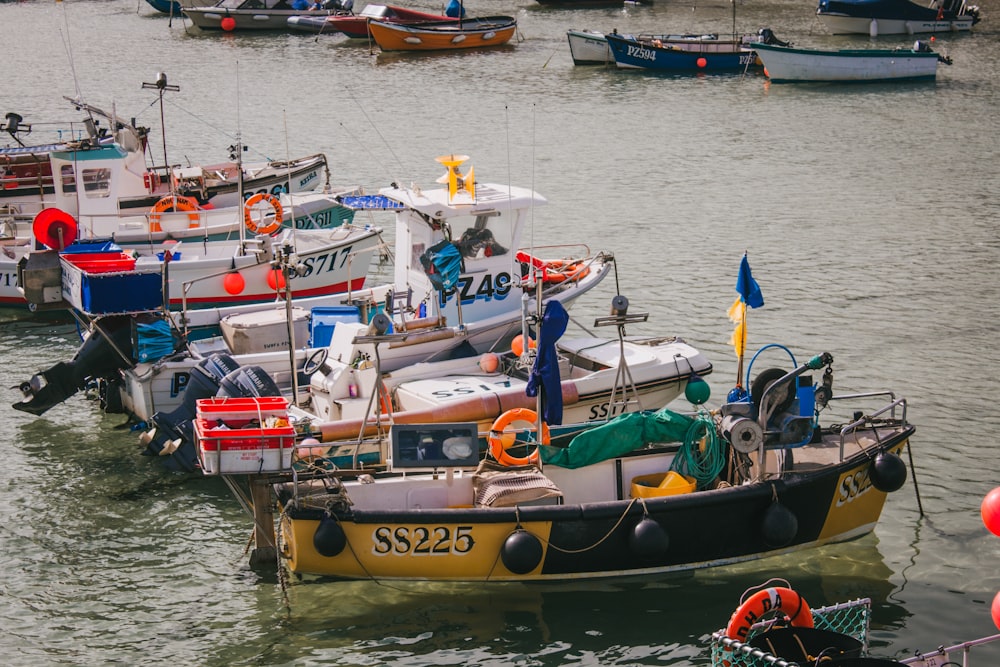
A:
(68, 178)
(97, 182)
(486, 235)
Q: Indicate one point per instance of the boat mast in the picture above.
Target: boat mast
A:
(161, 85)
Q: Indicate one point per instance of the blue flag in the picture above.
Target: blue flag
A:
(747, 287)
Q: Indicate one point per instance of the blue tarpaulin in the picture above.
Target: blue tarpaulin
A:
(545, 372)
(154, 341)
(370, 203)
(443, 264)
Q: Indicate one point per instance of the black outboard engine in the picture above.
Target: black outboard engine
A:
(171, 430)
(248, 382)
(339, 6)
(96, 359)
(767, 36)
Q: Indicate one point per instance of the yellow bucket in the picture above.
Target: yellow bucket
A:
(662, 484)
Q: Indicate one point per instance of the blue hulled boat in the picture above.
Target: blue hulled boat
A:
(171, 7)
(896, 17)
(699, 53)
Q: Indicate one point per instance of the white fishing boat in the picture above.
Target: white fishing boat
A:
(344, 393)
(100, 190)
(457, 287)
(589, 47)
(787, 64)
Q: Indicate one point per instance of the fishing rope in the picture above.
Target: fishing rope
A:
(702, 455)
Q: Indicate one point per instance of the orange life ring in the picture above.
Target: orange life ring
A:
(248, 220)
(174, 203)
(555, 270)
(763, 602)
(575, 271)
(499, 452)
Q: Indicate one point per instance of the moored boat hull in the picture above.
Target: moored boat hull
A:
(792, 65)
(589, 47)
(581, 541)
(694, 56)
(444, 35)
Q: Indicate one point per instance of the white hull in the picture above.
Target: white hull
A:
(593, 386)
(589, 47)
(851, 25)
(803, 65)
(158, 387)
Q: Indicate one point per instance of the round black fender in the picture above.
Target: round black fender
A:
(887, 472)
(783, 397)
(648, 539)
(521, 552)
(329, 538)
(779, 526)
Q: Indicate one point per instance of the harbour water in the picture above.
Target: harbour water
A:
(869, 214)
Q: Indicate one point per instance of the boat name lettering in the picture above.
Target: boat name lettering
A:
(854, 486)
(606, 410)
(747, 59)
(308, 178)
(275, 190)
(470, 389)
(318, 263)
(422, 540)
(319, 220)
(641, 53)
(179, 383)
(489, 288)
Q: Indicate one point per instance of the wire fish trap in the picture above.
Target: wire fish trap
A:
(850, 619)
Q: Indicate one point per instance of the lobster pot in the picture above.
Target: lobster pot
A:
(243, 436)
(264, 331)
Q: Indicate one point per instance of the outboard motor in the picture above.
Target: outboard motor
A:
(96, 359)
(248, 382)
(172, 430)
(767, 36)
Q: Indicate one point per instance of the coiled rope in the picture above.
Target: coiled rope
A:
(702, 455)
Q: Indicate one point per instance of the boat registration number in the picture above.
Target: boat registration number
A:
(422, 540)
(490, 287)
(319, 263)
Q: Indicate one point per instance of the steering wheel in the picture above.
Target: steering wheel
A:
(315, 360)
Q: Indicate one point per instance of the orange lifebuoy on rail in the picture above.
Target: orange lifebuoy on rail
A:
(251, 224)
(174, 203)
(574, 271)
(555, 270)
(763, 602)
(497, 449)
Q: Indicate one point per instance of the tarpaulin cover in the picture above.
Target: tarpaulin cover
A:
(154, 341)
(370, 202)
(619, 436)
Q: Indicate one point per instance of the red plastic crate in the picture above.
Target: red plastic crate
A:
(243, 451)
(242, 408)
(101, 262)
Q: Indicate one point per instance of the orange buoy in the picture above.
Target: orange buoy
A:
(498, 444)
